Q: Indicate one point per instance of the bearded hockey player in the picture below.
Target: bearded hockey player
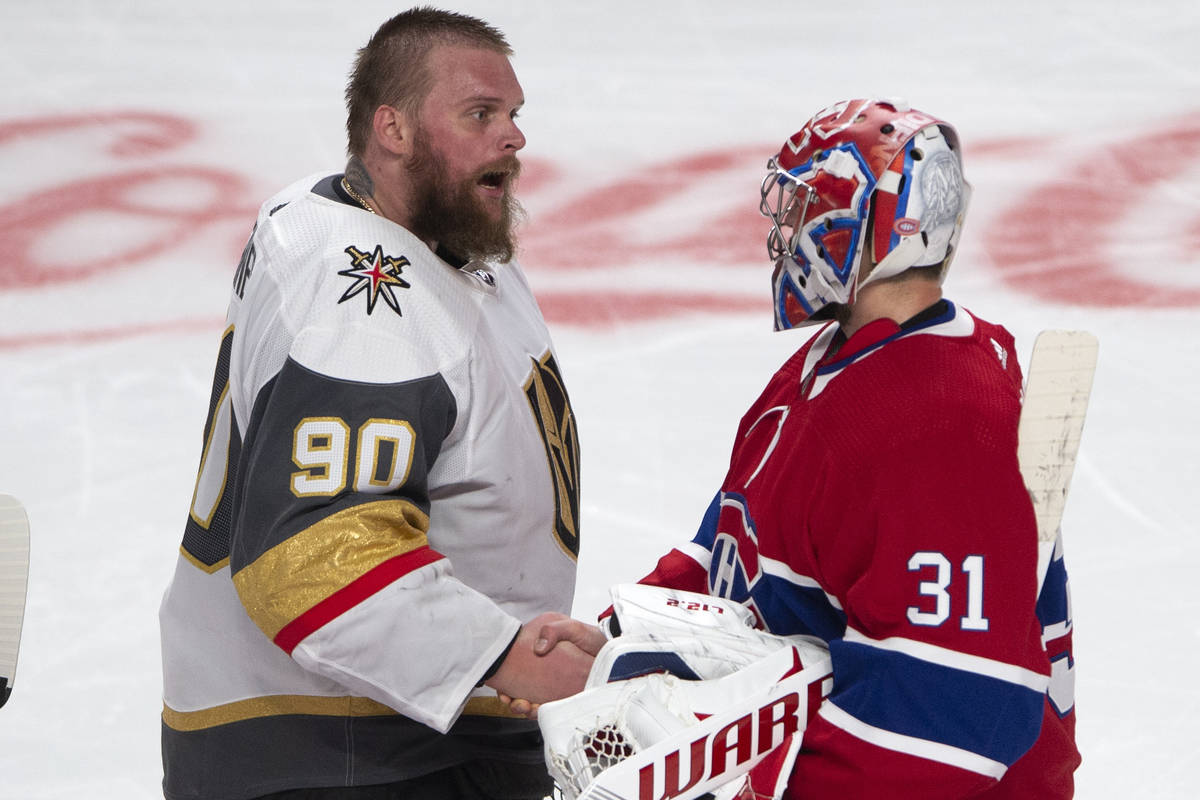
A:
(873, 497)
(389, 451)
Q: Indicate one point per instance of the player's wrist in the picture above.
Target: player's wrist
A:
(499, 662)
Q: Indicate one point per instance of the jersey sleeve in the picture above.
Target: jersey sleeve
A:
(687, 566)
(330, 554)
(940, 679)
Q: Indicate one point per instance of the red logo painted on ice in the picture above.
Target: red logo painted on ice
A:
(134, 201)
(1079, 241)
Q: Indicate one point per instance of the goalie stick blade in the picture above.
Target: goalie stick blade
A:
(1057, 390)
(14, 579)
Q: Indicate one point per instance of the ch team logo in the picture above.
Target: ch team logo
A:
(734, 570)
(377, 275)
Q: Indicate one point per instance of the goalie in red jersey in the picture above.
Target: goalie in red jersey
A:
(873, 497)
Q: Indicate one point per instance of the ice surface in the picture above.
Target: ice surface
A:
(137, 139)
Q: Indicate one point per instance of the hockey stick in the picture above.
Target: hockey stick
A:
(1057, 389)
(14, 579)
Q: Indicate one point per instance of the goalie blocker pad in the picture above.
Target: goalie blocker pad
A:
(688, 699)
(652, 611)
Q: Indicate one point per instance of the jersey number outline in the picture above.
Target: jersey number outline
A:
(383, 456)
(939, 589)
(213, 474)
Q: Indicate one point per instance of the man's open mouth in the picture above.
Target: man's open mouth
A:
(494, 180)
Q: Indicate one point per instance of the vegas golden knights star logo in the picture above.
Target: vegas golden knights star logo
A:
(552, 410)
(377, 275)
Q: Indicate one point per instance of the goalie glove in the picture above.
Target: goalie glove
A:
(692, 636)
(652, 611)
(688, 699)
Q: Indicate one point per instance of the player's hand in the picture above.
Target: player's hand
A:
(527, 678)
(549, 631)
(522, 708)
(587, 638)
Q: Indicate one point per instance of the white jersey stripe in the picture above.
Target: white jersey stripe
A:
(945, 657)
(779, 569)
(698, 553)
(922, 748)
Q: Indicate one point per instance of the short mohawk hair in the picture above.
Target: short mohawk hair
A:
(391, 69)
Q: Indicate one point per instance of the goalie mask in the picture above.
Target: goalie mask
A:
(863, 181)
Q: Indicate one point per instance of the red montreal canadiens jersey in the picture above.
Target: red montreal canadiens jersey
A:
(874, 499)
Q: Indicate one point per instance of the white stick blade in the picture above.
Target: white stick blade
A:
(1052, 415)
(14, 579)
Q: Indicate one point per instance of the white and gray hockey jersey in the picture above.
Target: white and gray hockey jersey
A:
(389, 487)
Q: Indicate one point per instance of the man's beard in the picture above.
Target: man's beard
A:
(454, 216)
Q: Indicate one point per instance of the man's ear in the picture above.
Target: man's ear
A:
(393, 130)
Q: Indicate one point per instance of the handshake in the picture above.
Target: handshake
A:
(549, 660)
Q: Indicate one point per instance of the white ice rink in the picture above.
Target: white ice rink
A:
(138, 138)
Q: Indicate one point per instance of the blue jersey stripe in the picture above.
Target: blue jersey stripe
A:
(708, 525)
(786, 608)
(897, 692)
(1053, 606)
(789, 609)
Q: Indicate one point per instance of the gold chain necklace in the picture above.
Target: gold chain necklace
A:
(362, 201)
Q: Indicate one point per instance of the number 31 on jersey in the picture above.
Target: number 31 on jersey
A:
(940, 586)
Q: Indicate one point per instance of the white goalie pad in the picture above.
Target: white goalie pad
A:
(687, 700)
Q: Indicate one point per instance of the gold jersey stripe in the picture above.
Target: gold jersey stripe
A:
(299, 573)
(281, 704)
